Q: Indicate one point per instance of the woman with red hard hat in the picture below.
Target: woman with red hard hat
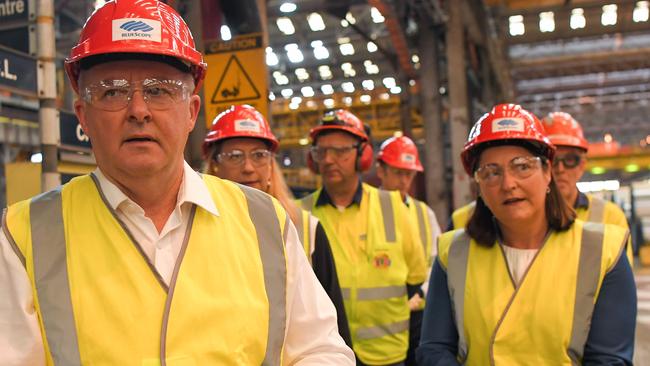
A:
(525, 282)
(241, 147)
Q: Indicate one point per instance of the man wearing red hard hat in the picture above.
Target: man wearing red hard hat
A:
(398, 162)
(379, 258)
(144, 261)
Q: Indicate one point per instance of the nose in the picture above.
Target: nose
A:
(138, 109)
(558, 166)
(508, 181)
(328, 156)
(247, 166)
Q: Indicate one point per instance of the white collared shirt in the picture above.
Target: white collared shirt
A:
(311, 337)
(160, 248)
(435, 233)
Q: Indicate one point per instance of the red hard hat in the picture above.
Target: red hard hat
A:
(400, 152)
(563, 130)
(136, 26)
(240, 121)
(505, 122)
(341, 120)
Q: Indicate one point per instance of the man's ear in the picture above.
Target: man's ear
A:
(80, 112)
(195, 108)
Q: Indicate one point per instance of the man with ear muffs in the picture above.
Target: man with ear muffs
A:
(379, 258)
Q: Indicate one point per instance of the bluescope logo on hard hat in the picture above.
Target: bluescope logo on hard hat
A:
(407, 158)
(508, 124)
(245, 125)
(135, 28)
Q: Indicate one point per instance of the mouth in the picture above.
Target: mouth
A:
(249, 183)
(512, 201)
(138, 139)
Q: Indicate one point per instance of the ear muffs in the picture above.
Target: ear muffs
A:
(364, 157)
(311, 164)
(363, 163)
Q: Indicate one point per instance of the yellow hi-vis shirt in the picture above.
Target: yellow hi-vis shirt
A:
(461, 216)
(606, 212)
(377, 253)
(546, 319)
(100, 302)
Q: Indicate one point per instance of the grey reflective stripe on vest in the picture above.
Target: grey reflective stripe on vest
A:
(420, 209)
(382, 330)
(591, 251)
(346, 293)
(271, 243)
(596, 210)
(387, 214)
(456, 276)
(307, 202)
(51, 277)
(380, 293)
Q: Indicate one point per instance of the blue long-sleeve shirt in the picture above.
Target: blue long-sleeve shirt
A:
(611, 336)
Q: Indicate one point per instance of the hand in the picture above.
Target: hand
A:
(415, 302)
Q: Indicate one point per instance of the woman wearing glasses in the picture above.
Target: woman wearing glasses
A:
(525, 283)
(240, 147)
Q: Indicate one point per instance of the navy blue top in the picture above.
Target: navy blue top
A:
(610, 340)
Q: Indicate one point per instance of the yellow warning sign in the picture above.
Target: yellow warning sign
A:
(236, 75)
(235, 85)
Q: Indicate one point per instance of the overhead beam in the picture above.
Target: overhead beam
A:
(567, 64)
(397, 36)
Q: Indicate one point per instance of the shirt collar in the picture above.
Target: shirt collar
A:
(324, 197)
(408, 200)
(192, 190)
(582, 201)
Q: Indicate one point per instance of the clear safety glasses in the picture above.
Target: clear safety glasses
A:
(520, 167)
(115, 95)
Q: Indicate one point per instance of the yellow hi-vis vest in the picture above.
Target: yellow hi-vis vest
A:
(544, 321)
(418, 211)
(374, 296)
(605, 212)
(461, 216)
(306, 228)
(101, 302)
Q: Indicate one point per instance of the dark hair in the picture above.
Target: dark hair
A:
(482, 225)
(90, 61)
(329, 132)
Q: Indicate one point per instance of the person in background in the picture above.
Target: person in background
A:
(568, 167)
(379, 257)
(525, 283)
(144, 261)
(398, 162)
(241, 147)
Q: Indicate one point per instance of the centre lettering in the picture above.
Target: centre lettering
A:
(11, 7)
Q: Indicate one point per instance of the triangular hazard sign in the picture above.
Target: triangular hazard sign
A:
(235, 85)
